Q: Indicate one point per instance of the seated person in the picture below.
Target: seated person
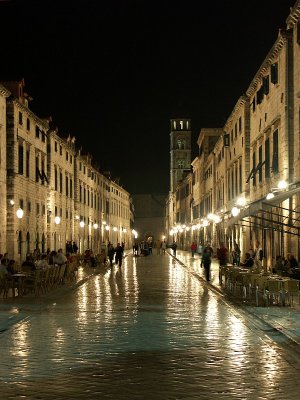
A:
(10, 267)
(43, 262)
(279, 266)
(59, 258)
(28, 265)
(292, 267)
(248, 262)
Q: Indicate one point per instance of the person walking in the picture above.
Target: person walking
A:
(174, 247)
(206, 261)
(163, 247)
(111, 253)
(193, 248)
(119, 255)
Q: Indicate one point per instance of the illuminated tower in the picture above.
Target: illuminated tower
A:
(180, 151)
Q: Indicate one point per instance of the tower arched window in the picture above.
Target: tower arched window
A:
(180, 144)
(180, 164)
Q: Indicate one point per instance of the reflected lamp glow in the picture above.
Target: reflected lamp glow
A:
(19, 213)
(57, 220)
(115, 229)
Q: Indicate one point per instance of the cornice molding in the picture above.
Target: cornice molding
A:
(268, 61)
(4, 91)
(294, 15)
(30, 113)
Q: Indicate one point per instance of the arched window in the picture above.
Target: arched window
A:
(180, 164)
(180, 143)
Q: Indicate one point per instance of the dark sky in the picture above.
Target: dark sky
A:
(113, 73)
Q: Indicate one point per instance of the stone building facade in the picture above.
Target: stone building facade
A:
(4, 94)
(246, 181)
(51, 193)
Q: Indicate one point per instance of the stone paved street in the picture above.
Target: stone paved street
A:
(151, 331)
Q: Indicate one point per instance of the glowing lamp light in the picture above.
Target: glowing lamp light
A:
(95, 226)
(81, 224)
(57, 220)
(115, 229)
(12, 202)
(107, 227)
(19, 213)
(235, 211)
(282, 185)
(270, 196)
(241, 201)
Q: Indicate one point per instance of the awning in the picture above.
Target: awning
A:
(263, 205)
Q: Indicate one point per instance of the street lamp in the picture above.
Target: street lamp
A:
(57, 220)
(19, 213)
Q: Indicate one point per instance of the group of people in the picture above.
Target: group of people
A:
(115, 254)
(288, 266)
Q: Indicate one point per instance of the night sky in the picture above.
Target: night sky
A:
(113, 73)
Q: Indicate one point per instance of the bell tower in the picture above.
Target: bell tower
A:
(180, 150)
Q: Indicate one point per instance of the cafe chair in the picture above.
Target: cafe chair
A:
(291, 288)
(274, 292)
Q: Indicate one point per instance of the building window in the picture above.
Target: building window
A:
(37, 209)
(37, 132)
(60, 182)
(67, 156)
(20, 118)
(27, 162)
(274, 73)
(240, 125)
(55, 146)
(241, 177)
(71, 188)
(37, 168)
(260, 164)
(21, 159)
(43, 136)
(275, 152)
(253, 167)
(60, 150)
(55, 178)
(267, 159)
(29, 206)
(28, 124)
(80, 194)
(67, 186)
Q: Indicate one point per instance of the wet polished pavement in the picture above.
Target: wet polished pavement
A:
(151, 330)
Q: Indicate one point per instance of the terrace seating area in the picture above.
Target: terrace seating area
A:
(40, 281)
(260, 289)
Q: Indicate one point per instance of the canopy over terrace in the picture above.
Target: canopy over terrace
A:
(263, 216)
